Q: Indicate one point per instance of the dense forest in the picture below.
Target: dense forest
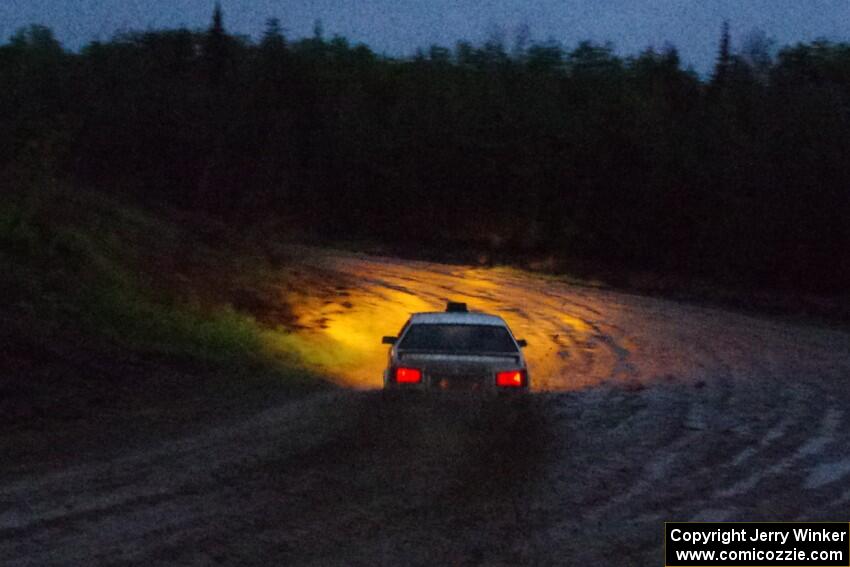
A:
(634, 162)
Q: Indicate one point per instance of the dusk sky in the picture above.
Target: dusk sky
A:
(398, 27)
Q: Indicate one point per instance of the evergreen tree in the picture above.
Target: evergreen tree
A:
(273, 39)
(216, 46)
(724, 58)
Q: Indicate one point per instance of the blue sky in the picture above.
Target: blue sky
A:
(397, 27)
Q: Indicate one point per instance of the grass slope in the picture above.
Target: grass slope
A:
(110, 311)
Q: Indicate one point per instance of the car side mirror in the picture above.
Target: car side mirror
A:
(522, 343)
(389, 340)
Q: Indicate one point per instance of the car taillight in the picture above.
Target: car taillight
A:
(511, 379)
(408, 376)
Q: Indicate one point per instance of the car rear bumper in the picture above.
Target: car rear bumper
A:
(460, 388)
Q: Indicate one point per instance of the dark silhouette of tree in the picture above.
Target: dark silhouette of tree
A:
(216, 46)
(33, 108)
(274, 55)
(724, 57)
(439, 54)
(465, 53)
(546, 56)
(273, 38)
(36, 38)
(624, 163)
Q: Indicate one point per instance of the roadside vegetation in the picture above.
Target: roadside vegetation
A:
(109, 308)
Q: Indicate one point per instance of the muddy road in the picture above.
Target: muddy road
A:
(644, 411)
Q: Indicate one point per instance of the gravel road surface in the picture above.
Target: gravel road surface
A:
(644, 411)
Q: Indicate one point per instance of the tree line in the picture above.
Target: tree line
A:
(633, 162)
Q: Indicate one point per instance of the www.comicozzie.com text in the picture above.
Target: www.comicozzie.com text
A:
(743, 534)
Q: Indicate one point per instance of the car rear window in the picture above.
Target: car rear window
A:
(458, 338)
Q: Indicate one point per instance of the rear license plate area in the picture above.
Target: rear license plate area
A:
(457, 383)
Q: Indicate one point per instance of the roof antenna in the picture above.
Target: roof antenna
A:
(456, 307)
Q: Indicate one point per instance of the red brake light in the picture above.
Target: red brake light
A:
(408, 376)
(511, 379)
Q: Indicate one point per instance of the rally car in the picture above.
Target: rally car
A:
(456, 350)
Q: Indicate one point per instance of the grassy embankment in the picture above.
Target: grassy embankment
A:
(109, 310)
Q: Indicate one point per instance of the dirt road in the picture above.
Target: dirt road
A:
(645, 410)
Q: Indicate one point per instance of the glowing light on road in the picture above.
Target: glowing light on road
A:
(343, 304)
(338, 331)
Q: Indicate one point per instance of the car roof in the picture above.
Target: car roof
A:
(457, 319)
